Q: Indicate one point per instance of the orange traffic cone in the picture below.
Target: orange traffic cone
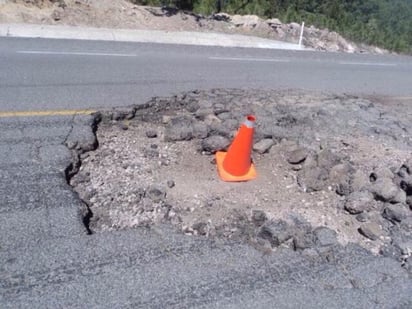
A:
(236, 164)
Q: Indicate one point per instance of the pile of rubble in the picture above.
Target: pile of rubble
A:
(331, 170)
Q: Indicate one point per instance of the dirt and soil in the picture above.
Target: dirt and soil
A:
(124, 14)
(331, 170)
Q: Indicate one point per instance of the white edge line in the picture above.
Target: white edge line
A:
(249, 59)
(38, 52)
(369, 63)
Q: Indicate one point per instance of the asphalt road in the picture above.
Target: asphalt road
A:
(48, 261)
(41, 74)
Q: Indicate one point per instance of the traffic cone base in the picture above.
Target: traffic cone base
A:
(225, 176)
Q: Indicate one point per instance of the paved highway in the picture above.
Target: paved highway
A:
(48, 261)
(42, 74)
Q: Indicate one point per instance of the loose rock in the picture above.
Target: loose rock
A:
(383, 172)
(327, 159)
(170, 183)
(179, 129)
(156, 193)
(200, 227)
(259, 217)
(362, 217)
(325, 237)
(200, 130)
(359, 202)
(395, 213)
(313, 179)
(297, 156)
(263, 146)
(276, 232)
(303, 241)
(385, 190)
(340, 178)
(215, 143)
(370, 230)
(151, 133)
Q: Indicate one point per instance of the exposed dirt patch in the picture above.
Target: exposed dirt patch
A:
(123, 14)
(331, 169)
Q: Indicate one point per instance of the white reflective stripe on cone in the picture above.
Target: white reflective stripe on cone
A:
(249, 123)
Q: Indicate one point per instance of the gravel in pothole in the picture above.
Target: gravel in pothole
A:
(331, 169)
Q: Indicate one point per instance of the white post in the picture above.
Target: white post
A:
(301, 34)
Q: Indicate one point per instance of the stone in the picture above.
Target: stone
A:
(219, 108)
(218, 128)
(403, 172)
(123, 126)
(215, 143)
(245, 20)
(179, 129)
(406, 184)
(395, 212)
(385, 190)
(225, 116)
(150, 153)
(200, 130)
(231, 124)
(156, 194)
(400, 197)
(310, 162)
(362, 217)
(273, 22)
(391, 251)
(327, 159)
(404, 245)
(303, 241)
(383, 172)
(201, 228)
(409, 201)
(406, 224)
(170, 183)
(151, 133)
(288, 145)
(297, 156)
(407, 166)
(325, 237)
(358, 202)
(221, 17)
(123, 113)
(313, 179)
(276, 232)
(263, 145)
(259, 217)
(359, 181)
(370, 230)
(340, 178)
(310, 253)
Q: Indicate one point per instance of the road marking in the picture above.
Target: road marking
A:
(249, 59)
(369, 63)
(402, 98)
(47, 113)
(40, 52)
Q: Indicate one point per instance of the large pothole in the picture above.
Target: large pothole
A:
(331, 169)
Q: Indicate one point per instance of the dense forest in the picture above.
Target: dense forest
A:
(384, 23)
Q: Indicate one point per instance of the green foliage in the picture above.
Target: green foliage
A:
(206, 7)
(385, 23)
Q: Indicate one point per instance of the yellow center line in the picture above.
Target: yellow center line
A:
(66, 112)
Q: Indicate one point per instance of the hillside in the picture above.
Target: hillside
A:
(384, 23)
(190, 16)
